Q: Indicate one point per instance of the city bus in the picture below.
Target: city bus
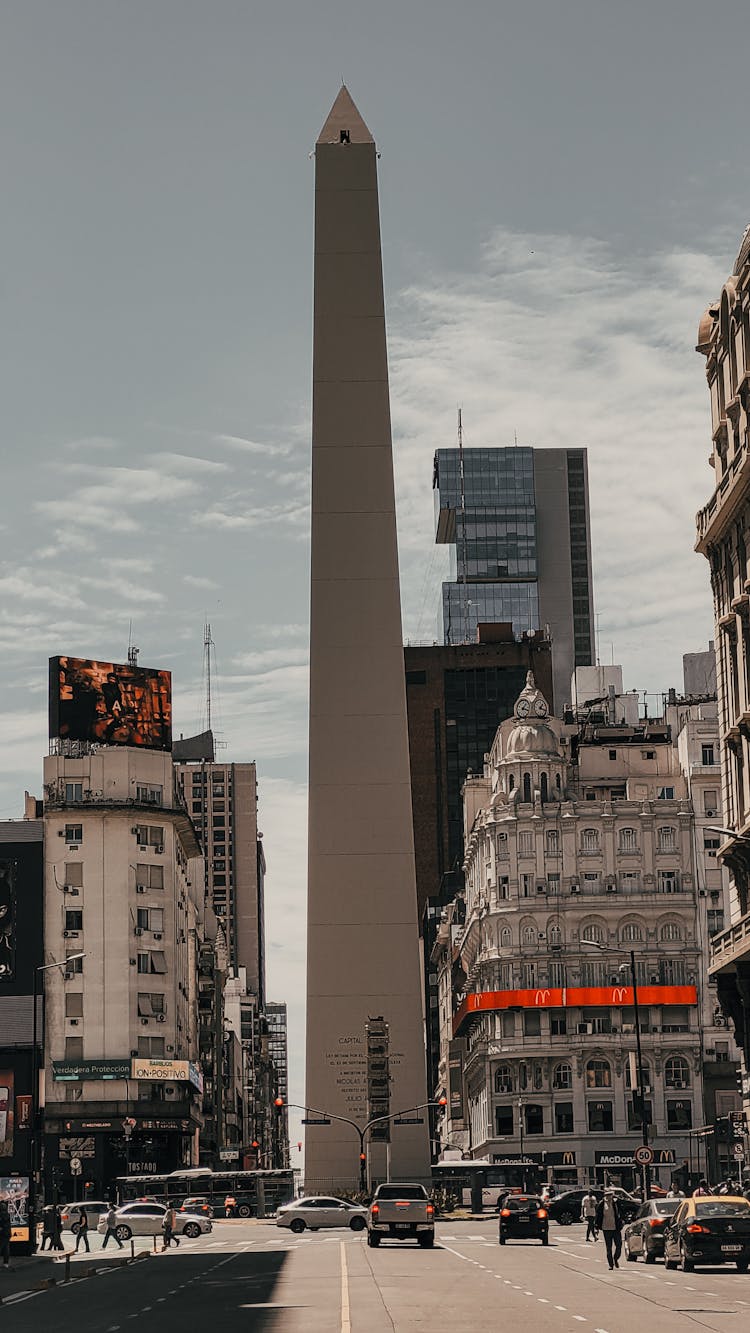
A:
(258, 1193)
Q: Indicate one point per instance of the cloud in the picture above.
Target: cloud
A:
(293, 515)
(199, 581)
(564, 343)
(189, 463)
(102, 444)
(250, 446)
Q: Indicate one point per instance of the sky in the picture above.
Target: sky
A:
(562, 193)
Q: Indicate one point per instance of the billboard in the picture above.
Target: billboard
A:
(161, 1071)
(108, 703)
(15, 1191)
(73, 1071)
(7, 921)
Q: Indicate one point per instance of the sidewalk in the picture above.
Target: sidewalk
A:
(35, 1272)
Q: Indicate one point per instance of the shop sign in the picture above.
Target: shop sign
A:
(195, 1075)
(229, 1155)
(566, 1158)
(15, 1191)
(662, 1157)
(177, 1126)
(73, 1071)
(161, 1071)
(23, 1111)
(515, 1159)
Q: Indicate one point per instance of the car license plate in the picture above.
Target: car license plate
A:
(403, 1226)
(731, 1249)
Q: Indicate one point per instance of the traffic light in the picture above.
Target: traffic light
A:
(279, 1104)
(722, 1129)
(255, 1145)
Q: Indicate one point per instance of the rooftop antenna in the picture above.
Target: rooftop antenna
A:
(208, 644)
(133, 651)
(465, 598)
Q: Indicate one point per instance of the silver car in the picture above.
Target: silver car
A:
(316, 1211)
(146, 1219)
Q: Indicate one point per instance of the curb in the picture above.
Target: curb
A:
(47, 1282)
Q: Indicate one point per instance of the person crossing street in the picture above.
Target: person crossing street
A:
(609, 1221)
(111, 1228)
(168, 1226)
(83, 1231)
(588, 1215)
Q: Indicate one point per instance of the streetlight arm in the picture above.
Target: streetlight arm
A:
(328, 1115)
(394, 1115)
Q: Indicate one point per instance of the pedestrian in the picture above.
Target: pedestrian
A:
(675, 1193)
(588, 1215)
(46, 1226)
(111, 1225)
(5, 1233)
(746, 1190)
(168, 1226)
(609, 1220)
(701, 1189)
(56, 1229)
(230, 1203)
(83, 1231)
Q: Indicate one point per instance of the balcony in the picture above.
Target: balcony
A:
(731, 946)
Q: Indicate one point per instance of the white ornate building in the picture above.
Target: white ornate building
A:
(579, 849)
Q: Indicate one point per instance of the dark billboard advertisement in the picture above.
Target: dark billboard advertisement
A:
(108, 703)
(7, 920)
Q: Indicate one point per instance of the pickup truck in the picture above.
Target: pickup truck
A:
(401, 1212)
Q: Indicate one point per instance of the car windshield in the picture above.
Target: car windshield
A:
(523, 1204)
(667, 1206)
(401, 1192)
(719, 1208)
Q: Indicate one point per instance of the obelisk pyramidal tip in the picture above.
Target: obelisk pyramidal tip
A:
(344, 118)
(362, 937)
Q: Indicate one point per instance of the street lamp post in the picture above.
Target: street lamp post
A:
(520, 1135)
(640, 1091)
(361, 1130)
(36, 1136)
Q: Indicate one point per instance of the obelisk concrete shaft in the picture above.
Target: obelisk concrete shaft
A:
(363, 956)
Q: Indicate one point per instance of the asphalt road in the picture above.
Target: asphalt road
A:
(261, 1279)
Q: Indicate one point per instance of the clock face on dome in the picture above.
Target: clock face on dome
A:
(540, 708)
(523, 708)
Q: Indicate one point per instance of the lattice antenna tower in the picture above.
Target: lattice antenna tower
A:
(462, 557)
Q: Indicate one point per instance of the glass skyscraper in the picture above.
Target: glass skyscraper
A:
(520, 548)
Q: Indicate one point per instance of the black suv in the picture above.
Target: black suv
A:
(566, 1208)
(523, 1217)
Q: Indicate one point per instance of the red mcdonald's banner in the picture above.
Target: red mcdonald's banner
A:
(557, 997)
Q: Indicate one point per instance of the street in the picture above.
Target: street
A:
(263, 1279)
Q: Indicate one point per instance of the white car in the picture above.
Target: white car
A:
(316, 1211)
(145, 1219)
(70, 1213)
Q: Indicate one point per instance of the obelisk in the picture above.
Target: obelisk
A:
(363, 955)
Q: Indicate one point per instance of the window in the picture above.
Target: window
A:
(503, 888)
(534, 1116)
(595, 971)
(630, 881)
(74, 1004)
(503, 1121)
(220, 835)
(667, 881)
(710, 802)
(505, 937)
(675, 1018)
(672, 972)
(503, 1078)
(563, 1117)
(670, 931)
(74, 1048)
(593, 933)
(148, 876)
(73, 964)
(714, 920)
(558, 1023)
(601, 1120)
(553, 884)
(74, 832)
(150, 1004)
(525, 844)
(612, 754)
(148, 795)
(636, 1115)
(679, 1115)
(73, 792)
(631, 933)
(527, 886)
(598, 1074)
(666, 839)
(528, 936)
(509, 1025)
(144, 963)
(74, 920)
(711, 846)
(151, 1048)
(628, 840)
(676, 1072)
(589, 841)
(156, 918)
(554, 935)
(528, 976)
(149, 835)
(74, 874)
(532, 1023)
(501, 848)
(553, 842)
(707, 756)
(562, 1076)
(665, 794)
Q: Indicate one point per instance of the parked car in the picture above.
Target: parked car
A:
(709, 1230)
(401, 1212)
(197, 1203)
(645, 1234)
(145, 1219)
(316, 1211)
(523, 1217)
(70, 1212)
(566, 1208)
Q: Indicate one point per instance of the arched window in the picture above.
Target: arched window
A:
(667, 839)
(505, 938)
(670, 931)
(554, 934)
(527, 787)
(562, 1076)
(553, 842)
(557, 781)
(593, 933)
(511, 782)
(598, 1074)
(676, 1072)
(543, 787)
(628, 840)
(528, 935)
(503, 1078)
(631, 932)
(590, 840)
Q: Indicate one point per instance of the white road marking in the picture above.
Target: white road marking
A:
(560, 1307)
(543, 1300)
(580, 1317)
(346, 1325)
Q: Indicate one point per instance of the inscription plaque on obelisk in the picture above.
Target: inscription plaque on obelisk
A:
(363, 955)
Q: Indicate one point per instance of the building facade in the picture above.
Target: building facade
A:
(124, 886)
(507, 515)
(579, 850)
(723, 527)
